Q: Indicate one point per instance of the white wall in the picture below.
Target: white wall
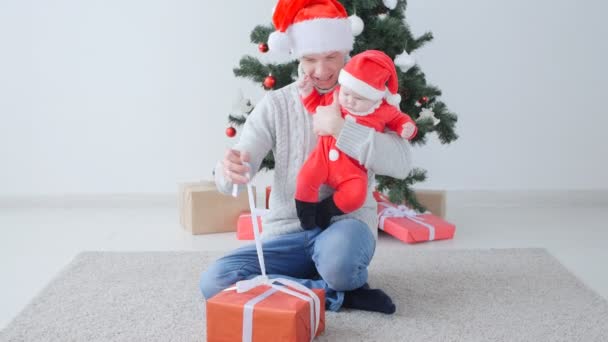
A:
(132, 96)
(527, 79)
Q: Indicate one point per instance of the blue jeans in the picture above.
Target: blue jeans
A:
(334, 259)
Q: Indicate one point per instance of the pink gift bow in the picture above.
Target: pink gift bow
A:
(246, 285)
(391, 210)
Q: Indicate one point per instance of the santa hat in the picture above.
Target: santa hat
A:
(372, 74)
(310, 26)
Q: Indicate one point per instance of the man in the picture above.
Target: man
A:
(318, 33)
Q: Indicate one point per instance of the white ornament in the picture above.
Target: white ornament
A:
(428, 113)
(404, 61)
(241, 105)
(382, 16)
(356, 24)
(333, 155)
(390, 4)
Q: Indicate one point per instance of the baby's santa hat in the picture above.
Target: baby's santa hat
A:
(310, 26)
(372, 74)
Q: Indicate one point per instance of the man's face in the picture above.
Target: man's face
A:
(323, 68)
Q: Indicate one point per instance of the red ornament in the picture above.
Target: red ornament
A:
(269, 82)
(231, 131)
(424, 99)
(263, 47)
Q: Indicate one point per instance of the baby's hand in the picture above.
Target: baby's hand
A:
(304, 85)
(409, 129)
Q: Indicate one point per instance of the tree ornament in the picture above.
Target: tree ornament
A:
(422, 101)
(390, 4)
(404, 61)
(427, 113)
(356, 24)
(230, 132)
(241, 105)
(269, 82)
(263, 47)
(382, 16)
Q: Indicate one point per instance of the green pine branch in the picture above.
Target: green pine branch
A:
(260, 34)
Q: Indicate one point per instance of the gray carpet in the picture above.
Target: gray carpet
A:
(467, 295)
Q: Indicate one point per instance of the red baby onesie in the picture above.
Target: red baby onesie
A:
(327, 165)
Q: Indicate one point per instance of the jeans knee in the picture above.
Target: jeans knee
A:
(344, 275)
(343, 253)
(215, 279)
(208, 284)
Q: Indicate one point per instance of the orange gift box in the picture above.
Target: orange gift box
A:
(413, 229)
(277, 317)
(244, 226)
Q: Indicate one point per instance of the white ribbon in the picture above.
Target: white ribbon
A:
(246, 285)
(405, 212)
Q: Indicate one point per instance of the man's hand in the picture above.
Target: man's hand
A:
(305, 85)
(328, 120)
(234, 168)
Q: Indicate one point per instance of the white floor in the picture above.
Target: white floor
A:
(37, 241)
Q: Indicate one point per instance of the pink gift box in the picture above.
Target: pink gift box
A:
(409, 227)
(244, 226)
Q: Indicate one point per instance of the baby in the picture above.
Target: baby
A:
(367, 94)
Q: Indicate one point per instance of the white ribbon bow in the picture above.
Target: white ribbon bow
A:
(246, 285)
(405, 212)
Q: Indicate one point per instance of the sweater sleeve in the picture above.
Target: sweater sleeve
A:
(258, 136)
(385, 154)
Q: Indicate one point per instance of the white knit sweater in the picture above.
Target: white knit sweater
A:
(280, 122)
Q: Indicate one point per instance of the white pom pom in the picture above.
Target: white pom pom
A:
(404, 61)
(334, 155)
(278, 42)
(356, 24)
(390, 4)
(393, 99)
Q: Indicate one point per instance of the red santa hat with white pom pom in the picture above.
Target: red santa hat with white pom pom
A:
(310, 26)
(372, 74)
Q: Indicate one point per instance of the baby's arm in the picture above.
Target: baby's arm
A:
(403, 125)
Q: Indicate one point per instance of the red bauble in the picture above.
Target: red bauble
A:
(424, 99)
(263, 47)
(230, 132)
(269, 82)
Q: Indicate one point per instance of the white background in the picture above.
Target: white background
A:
(133, 96)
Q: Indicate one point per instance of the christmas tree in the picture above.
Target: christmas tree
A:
(378, 25)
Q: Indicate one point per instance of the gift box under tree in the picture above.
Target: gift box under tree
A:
(244, 226)
(409, 226)
(204, 210)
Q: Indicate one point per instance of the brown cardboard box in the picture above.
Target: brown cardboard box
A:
(433, 200)
(204, 210)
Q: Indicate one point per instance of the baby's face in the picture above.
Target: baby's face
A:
(354, 102)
